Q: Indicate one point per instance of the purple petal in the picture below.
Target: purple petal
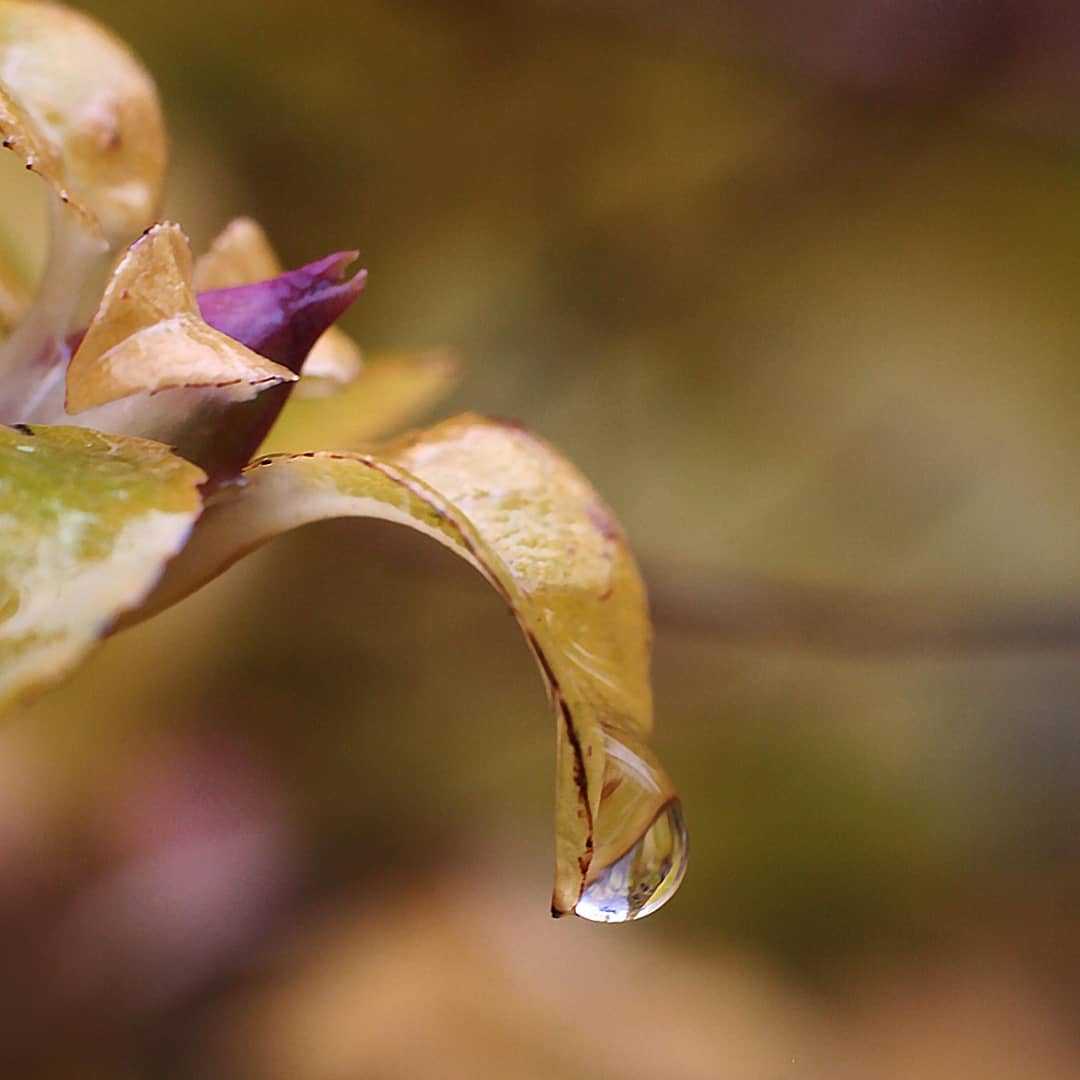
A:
(282, 318)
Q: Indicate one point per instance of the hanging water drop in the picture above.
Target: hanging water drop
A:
(645, 878)
(641, 845)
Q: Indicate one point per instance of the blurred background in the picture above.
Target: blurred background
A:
(796, 286)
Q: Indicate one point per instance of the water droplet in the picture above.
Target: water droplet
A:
(640, 840)
(645, 878)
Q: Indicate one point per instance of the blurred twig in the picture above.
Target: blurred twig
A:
(786, 615)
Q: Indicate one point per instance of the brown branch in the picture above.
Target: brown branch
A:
(773, 614)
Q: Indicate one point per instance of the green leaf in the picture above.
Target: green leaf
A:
(87, 521)
(513, 508)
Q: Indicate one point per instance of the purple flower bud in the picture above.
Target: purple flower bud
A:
(282, 318)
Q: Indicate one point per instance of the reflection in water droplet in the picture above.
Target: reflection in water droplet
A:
(645, 878)
(640, 843)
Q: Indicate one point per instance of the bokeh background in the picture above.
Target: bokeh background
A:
(796, 285)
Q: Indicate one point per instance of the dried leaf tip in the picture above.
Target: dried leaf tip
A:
(148, 333)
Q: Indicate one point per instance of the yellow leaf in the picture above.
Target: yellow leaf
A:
(79, 111)
(519, 513)
(83, 113)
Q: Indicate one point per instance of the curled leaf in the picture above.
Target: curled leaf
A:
(242, 255)
(79, 111)
(519, 513)
(88, 522)
(392, 392)
(82, 111)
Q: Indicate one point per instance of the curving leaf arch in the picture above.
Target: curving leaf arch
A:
(519, 513)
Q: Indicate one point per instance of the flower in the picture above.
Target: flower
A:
(123, 475)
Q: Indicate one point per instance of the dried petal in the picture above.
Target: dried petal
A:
(148, 334)
(239, 255)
